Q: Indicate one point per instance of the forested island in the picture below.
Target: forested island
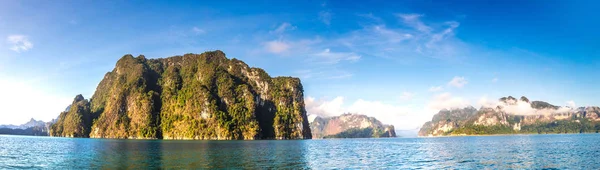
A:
(513, 116)
(195, 96)
(350, 126)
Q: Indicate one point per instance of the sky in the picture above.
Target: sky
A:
(400, 62)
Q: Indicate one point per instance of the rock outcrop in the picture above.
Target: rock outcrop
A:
(350, 126)
(194, 96)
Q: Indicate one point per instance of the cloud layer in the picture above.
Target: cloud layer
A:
(401, 116)
(19, 43)
(518, 107)
(447, 101)
(458, 82)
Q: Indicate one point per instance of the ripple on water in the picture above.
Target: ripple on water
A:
(493, 152)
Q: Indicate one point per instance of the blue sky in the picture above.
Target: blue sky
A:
(397, 61)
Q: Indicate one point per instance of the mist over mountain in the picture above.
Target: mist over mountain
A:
(509, 115)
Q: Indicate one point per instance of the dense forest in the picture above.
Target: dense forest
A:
(361, 133)
(194, 96)
(555, 127)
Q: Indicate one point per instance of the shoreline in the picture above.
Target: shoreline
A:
(515, 134)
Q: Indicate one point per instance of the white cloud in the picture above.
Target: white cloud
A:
(198, 30)
(448, 32)
(323, 107)
(447, 101)
(518, 107)
(414, 20)
(485, 102)
(458, 82)
(301, 47)
(435, 88)
(401, 116)
(323, 74)
(571, 104)
(412, 40)
(392, 36)
(284, 27)
(325, 17)
(19, 43)
(494, 80)
(277, 46)
(407, 96)
(328, 57)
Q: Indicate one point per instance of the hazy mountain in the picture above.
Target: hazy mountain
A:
(33, 127)
(32, 123)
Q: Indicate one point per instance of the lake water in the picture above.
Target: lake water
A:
(575, 151)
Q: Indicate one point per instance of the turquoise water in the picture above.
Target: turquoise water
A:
(576, 151)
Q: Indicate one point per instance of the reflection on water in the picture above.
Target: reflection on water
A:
(493, 152)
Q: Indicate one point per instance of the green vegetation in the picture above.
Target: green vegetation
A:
(563, 126)
(360, 133)
(75, 122)
(554, 127)
(482, 130)
(194, 96)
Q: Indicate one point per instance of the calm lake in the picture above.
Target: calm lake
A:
(574, 151)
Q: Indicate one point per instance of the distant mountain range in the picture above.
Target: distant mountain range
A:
(33, 128)
(513, 116)
(350, 126)
(32, 123)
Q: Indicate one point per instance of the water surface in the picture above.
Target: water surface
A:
(573, 151)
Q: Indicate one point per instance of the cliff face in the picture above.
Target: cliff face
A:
(514, 116)
(195, 96)
(350, 126)
(74, 122)
(446, 120)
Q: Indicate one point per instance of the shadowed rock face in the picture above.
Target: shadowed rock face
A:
(350, 125)
(544, 118)
(194, 96)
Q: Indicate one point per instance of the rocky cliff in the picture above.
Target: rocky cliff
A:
(75, 122)
(447, 120)
(511, 116)
(350, 126)
(194, 96)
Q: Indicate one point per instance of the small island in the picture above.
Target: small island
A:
(350, 126)
(195, 97)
